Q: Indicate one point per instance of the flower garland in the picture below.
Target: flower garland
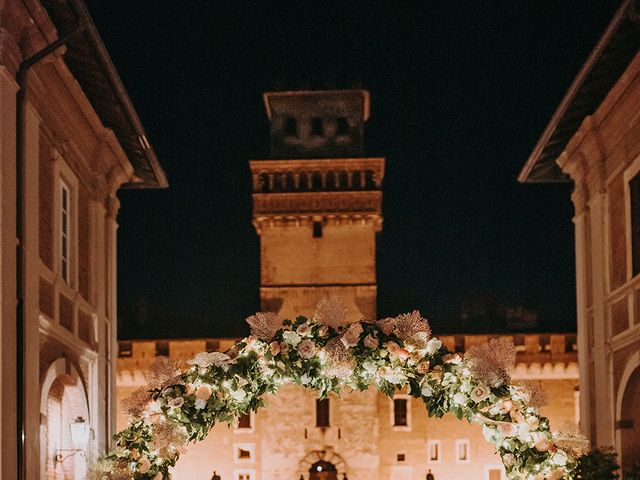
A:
(325, 355)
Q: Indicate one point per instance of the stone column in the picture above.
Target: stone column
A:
(602, 381)
(580, 221)
(111, 234)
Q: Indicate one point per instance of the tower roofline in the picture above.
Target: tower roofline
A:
(267, 96)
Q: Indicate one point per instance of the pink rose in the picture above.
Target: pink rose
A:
(303, 329)
(401, 353)
(306, 349)
(275, 348)
(422, 368)
(144, 465)
(203, 392)
(506, 406)
(543, 444)
(371, 341)
(387, 325)
(507, 429)
(392, 347)
(352, 336)
(284, 347)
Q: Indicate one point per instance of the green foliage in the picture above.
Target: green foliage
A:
(599, 464)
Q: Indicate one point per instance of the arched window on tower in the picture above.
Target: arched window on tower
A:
(343, 181)
(369, 183)
(332, 181)
(316, 183)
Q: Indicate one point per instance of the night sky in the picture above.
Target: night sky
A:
(460, 93)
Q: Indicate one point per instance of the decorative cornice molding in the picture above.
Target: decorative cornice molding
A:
(279, 221)
(322, 164)
(321, 203)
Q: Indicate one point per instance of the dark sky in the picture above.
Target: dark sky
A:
(460, 93)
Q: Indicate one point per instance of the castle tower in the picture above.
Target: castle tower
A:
(317, 204)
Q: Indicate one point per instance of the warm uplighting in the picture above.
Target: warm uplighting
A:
(80, 432)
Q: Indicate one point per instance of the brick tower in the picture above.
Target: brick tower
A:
(317, 204)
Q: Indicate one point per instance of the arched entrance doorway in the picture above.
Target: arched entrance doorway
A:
(322, 470)
(323, 465)
(63, 403)
(629, 422)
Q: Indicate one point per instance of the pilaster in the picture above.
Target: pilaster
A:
(601, 355)
(8, 405)
(31, 279)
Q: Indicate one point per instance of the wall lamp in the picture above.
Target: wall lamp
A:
(80, 432)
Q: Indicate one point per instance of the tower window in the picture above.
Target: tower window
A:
(322, 412)
(400, 418)
(342, 126)
(433, 451)
(290, 127)
(317, 229)
(462, 451)
(317, 128)
(400, 457)
(244, 421)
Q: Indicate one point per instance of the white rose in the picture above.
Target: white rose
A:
(369, 367)
(433, 346)
(292, 338)
(427, 391)
(238, 395)
(200, 404)
(460, 398)
(352, 335)
(480, 393)
(391, 375)
(307, 349)
(176, 402)
(206, 359)
(452, 358)
(560, 459)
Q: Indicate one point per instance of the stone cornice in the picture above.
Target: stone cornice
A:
(297, 220)
(375, 164)
(301, 203)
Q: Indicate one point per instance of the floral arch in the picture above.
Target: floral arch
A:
(324, 354)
